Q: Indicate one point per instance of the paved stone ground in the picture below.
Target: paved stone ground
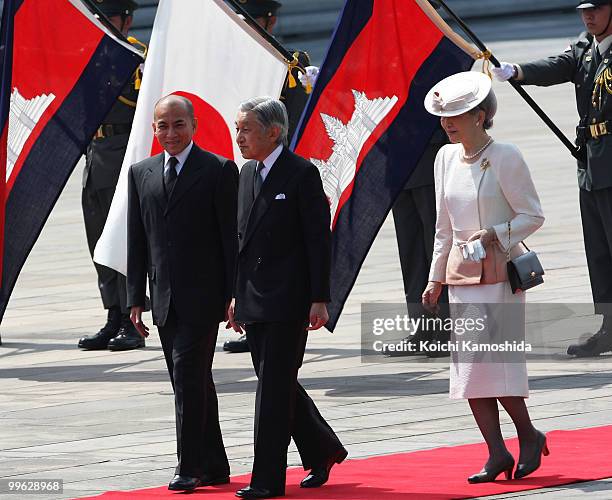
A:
(104, 421)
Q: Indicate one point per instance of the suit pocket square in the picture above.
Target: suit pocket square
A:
(280, 196)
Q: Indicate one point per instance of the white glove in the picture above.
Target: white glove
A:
(504, 72)
(474, 251)
(310, 77)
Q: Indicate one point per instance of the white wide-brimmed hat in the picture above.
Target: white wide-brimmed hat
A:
(458, 94)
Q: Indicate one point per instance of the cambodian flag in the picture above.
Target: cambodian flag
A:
(365, 126)
(62, 70)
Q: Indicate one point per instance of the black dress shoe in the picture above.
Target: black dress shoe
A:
(101, 339)
(595, 345)
(252, 492)
(438, 346)
(533, 464)
(490, 472)
(128, 337)
(184, 483)
(318, 476)
(208, 480)
(240, 345)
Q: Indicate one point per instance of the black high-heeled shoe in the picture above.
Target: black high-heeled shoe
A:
(524, 469)
(490, 475)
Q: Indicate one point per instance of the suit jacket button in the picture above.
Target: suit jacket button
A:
(259, 260)
(239, 236)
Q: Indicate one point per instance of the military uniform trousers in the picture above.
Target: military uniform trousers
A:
(96, 205)
(596, 211)
(414, 216)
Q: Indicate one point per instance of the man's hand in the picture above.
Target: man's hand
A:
(136, 317)
(505, 72)
(229, 316)
(430, 296)
(318, 315)
(309, 78)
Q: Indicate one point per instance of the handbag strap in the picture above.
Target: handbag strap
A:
(508, 251)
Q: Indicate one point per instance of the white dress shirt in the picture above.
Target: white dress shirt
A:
(269, 161)
(181, 157)
(604, 45)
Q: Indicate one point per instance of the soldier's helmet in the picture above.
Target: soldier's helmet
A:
(116, 7)
(589, 4)
(260, 8)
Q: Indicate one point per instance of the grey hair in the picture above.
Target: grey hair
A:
(269, 112)
(489, 106)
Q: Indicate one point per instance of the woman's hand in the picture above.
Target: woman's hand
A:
(486, 236)
(430, 295)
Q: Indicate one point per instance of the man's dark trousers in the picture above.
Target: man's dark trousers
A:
(189, 352)
(277, 351)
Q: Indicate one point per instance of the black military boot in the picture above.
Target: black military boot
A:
(595, 345)
(108, 331)
(438, 345)
(240, 345)
(128, 337)
(414, 345)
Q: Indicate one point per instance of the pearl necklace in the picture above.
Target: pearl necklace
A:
(477, 153)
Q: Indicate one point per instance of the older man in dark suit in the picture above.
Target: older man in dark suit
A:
(265, 13)
(282, 285)
(182, 234)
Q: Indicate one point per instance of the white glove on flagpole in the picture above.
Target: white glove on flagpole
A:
(504, 72)
(310, 78)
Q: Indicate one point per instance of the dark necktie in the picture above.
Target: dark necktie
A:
(171, 175)
(258, 181)
(596, 57)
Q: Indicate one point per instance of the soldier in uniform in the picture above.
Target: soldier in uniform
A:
(294, 99)
(587, 63)
(104, 158)
(414, 216)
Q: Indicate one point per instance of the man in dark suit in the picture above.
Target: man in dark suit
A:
(182, 234)
(587, 63)
(265, 13)
(282, 285)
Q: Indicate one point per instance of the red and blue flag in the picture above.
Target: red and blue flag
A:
(62, 70)
(365, 126)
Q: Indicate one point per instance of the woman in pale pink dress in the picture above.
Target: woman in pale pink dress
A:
(486, 205)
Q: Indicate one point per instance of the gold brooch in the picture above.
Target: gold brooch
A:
(484, 164)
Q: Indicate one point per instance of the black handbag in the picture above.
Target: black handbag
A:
(524, 271)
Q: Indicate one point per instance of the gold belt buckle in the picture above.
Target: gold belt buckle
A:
(598, 129)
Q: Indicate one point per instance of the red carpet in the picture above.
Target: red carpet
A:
(438, 474)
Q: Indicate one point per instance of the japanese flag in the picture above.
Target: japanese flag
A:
(204, 51)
